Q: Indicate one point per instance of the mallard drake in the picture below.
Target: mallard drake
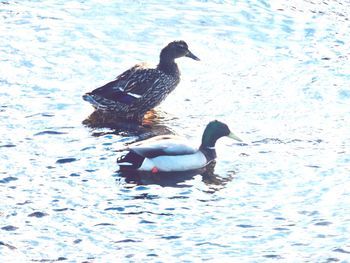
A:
(141, 88)
(173, 154)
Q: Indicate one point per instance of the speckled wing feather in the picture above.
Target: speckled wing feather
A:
(162, 145)
(130, 85)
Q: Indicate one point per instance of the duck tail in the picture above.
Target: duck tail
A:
(91, 99)
(131, 160)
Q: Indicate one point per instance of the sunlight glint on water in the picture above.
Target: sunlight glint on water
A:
(276, 72)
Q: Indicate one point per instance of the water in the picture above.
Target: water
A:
(277, 73)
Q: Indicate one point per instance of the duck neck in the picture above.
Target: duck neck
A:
(208, 145)
(208, 151)
(209, 137)
(167, 64)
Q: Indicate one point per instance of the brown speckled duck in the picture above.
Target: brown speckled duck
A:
(141, 88)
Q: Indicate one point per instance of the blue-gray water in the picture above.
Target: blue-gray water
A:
(277, 73)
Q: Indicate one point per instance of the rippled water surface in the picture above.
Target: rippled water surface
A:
(277, 73)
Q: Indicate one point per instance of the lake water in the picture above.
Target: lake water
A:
(277, 73)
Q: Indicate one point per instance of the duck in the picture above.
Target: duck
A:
(142, 87)
(170, 153)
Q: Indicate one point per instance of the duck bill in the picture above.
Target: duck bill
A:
(233, 136)
(190, 55)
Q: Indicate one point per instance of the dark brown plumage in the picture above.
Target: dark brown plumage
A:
(141, 88)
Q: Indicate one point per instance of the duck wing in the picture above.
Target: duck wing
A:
(162, 145)
(130, 85)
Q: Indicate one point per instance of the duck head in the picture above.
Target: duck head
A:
(214, 131)
(176, 49)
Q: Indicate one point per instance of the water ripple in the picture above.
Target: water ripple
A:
(276, 72)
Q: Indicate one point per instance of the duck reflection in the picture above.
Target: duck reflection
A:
(178, 179)
(151, 125)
